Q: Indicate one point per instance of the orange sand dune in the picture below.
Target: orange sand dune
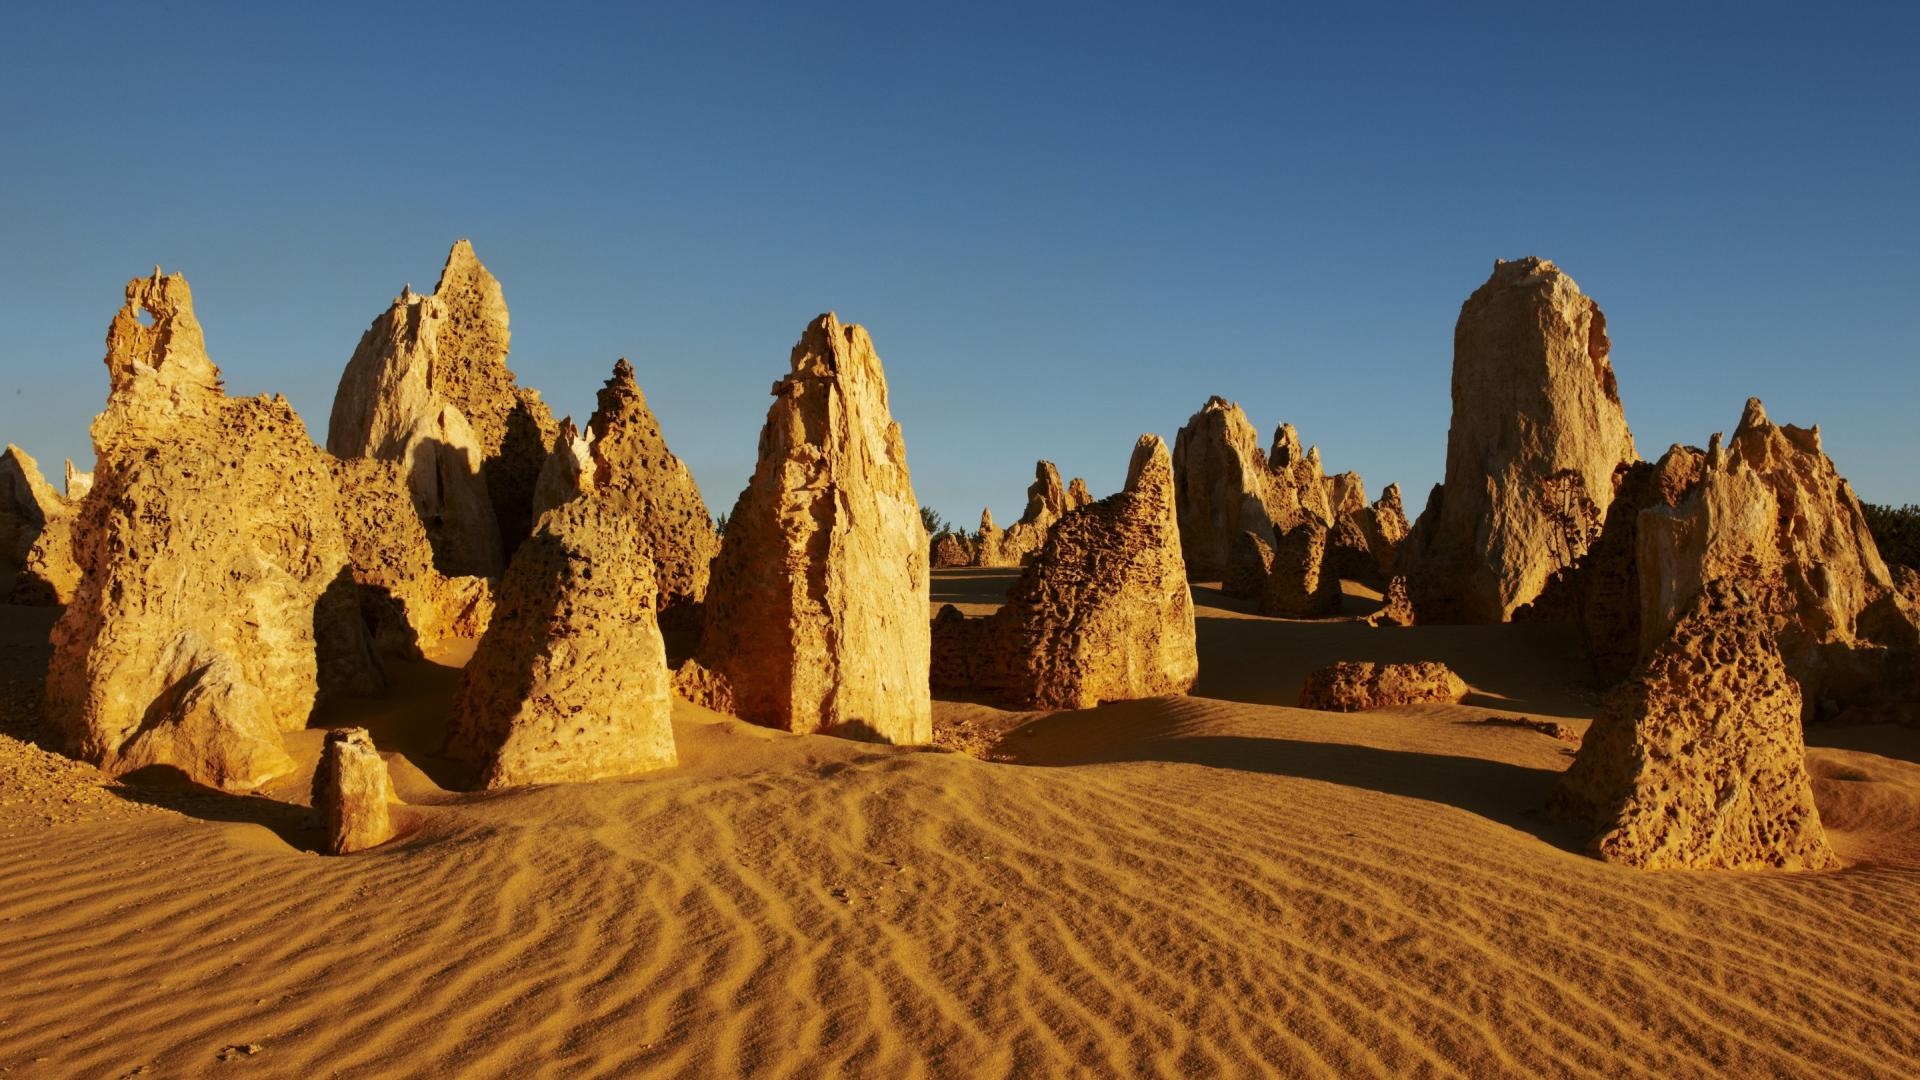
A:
(1214, 885)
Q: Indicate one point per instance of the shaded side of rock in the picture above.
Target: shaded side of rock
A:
(1300, 584)
(1220, 481)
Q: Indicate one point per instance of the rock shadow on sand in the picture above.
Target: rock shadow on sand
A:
(1147, 731)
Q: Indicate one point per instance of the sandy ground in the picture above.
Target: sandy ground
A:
(1212, 885)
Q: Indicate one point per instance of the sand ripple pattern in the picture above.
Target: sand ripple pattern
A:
(1177, 888)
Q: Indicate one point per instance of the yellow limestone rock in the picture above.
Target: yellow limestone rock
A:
(1047, 500)
(407, 604)
(36, 533)
(1220, 482)
(816, 617)
(627, 464)
(352, 793)
(1770, 505)
(429, 387)
(1537, 436)
(570, 682)
(209, 538)
(1103, 613)
(1359, 686)
(1698, 760)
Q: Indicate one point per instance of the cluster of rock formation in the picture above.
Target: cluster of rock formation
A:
(36, 531)
(1272, 526)
(1102, 613)
(428, 387)
(1697, 760)
(1359, 686)
(623, 460)
(1047, 502)
(816, 611)
(1537, 438)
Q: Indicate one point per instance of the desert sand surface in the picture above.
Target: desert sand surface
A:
(1218, 884)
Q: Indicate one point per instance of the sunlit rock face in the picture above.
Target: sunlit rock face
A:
(1537, 437)
(429, 387)
(1697, 761)
(816, 614)
(209, 539)
(1103, 613)
(570, 682)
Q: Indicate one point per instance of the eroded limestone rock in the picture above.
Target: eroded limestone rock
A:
(1359, 686)
(352, 793)
(570, 681)
(1698, 760)
(407, 604)
(36, 533)
(429, 387)
(816, 612)
(951, 550)
(1300, 583)
(1103, 613)
(1537, 436)
(1768, 506)
(206, 545)
(1249, 561)
(1220, 479)
(632, 469)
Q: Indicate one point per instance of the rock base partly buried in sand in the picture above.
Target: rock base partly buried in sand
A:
(351, 793)
(1103, 613)
(1698, 759)
(1357, 686)
(570, 681)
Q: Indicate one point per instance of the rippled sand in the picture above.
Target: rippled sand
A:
(1214, 885)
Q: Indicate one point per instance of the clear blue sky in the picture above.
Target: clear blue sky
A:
(1063, 228)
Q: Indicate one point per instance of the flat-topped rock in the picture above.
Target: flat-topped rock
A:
(1359, 686)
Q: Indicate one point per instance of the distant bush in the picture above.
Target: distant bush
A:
(720, 523)
(1896, 530)
(937, 526)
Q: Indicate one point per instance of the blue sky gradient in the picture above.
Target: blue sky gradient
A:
(1063, 226)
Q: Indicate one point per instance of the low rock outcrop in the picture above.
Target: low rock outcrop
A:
(1359, 686)
(951, 550)
(816, 612)
(207, 544)
(1698, 761)
(1537, 436)
(1103, 613)
(1396, 609)
(570, 681)
(352, 793)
